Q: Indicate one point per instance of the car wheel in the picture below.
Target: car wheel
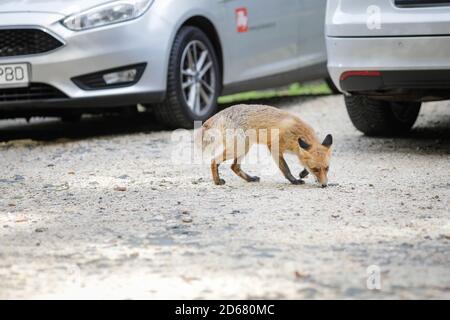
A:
(381, 118)
(193, 83)
(71, 118)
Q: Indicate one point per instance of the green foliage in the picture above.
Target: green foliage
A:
(295, 89)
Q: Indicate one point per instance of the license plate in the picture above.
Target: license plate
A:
(14, 75)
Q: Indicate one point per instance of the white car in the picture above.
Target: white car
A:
(175, 56)
(388, 56)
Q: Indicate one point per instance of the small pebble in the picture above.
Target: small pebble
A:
(187, 219)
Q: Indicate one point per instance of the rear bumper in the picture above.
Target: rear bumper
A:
(382, 18)
(388, 80)
(404, 63)
(422, 85)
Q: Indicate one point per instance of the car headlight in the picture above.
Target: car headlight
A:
(109, 13)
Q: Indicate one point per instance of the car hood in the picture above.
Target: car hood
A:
(64, 7)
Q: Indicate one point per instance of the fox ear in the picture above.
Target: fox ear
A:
(328, 141)
(303, 144)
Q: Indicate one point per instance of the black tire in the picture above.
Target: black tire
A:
(381, 118)
(71, 118)
(332, 87)
(174, 111)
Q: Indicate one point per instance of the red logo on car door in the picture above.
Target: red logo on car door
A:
(242, 20)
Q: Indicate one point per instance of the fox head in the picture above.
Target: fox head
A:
(316, 158)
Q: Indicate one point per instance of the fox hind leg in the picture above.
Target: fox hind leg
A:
(241, 147)
(236, 167)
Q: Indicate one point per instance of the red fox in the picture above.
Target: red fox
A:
(245, 125)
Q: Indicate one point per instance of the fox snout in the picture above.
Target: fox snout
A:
(322, 180)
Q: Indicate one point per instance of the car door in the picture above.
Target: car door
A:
(312, 49)
(260, 38)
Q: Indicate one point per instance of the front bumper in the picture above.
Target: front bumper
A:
(404, 64)
(100, 102)
(144, 40)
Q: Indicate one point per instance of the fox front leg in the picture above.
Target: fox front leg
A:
(287, 173)
(215, 174)
(304, 173)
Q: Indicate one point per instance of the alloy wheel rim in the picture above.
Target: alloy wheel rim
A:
(197, 77)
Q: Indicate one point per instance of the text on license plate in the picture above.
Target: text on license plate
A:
(14, 75)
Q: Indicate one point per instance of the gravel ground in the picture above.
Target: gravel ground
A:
(100, 210)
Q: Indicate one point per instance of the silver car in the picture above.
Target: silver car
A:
(175, 56)
(388, 56)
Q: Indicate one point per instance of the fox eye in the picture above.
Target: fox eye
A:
(315, 169)
(327, 168)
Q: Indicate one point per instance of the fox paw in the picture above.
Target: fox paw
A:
(304, 174)
(253, 179)
(220, 182)
(297, 182)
